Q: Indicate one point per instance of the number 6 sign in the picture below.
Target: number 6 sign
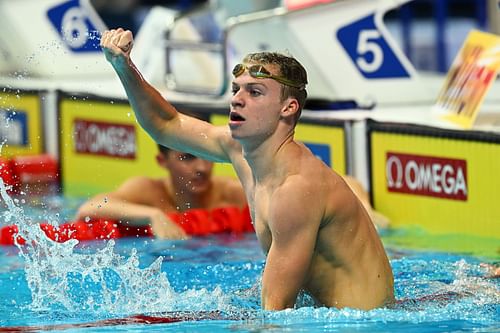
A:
(73, 24)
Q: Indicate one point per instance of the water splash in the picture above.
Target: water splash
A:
(61, 276)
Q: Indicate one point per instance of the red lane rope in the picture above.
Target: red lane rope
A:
(195, 222)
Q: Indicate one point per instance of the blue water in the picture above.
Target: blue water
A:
(49, 286)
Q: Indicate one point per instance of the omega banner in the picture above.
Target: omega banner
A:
(445, 181)
(427, 176)
(102, 145)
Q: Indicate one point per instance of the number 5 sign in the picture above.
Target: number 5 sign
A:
(72, 21)
(369, 51)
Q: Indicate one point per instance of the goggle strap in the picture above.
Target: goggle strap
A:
(260, 72)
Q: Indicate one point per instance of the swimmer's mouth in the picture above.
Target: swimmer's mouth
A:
(234, 116)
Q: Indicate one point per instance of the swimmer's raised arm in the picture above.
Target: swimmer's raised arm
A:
(155, 114)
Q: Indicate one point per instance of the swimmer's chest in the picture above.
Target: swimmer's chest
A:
(260, 203)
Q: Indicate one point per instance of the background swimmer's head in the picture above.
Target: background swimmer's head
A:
(289, 68)
(165, 151)
(188, 172)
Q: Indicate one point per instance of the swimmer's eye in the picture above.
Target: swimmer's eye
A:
(235, 88)
(186, 157)
(255, 93)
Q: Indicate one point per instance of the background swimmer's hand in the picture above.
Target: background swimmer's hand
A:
(116, 45)
(163, 227)
(492, 271)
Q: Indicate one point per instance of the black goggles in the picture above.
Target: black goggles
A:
(260, 72)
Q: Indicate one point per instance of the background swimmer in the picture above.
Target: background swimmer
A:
(143, 200)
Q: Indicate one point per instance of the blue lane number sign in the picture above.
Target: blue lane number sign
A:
(73, 24)
(369, 51)
(13, 127)
(321, 151)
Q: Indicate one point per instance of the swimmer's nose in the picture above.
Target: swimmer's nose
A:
(237, 101)
(203, 167)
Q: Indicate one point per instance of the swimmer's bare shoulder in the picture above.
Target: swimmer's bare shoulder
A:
(145, 190)
(349, 265)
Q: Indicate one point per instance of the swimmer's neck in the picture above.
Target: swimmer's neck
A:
(264, 158)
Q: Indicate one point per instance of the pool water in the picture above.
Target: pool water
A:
(212, 285)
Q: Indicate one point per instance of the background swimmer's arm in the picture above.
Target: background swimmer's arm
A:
(157, 116)
(107, 206)
(294, 223)
(128, 206)
(380, 220)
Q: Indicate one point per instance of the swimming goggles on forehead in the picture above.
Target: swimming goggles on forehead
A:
(260, 72)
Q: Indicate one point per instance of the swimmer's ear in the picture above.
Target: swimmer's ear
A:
(290, 108)
(161, 160)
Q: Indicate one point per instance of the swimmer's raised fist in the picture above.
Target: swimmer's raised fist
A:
(117, 44)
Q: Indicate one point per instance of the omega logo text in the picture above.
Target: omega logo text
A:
(427, 176)
(108, 139)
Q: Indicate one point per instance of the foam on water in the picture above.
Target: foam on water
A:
(466, 298)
